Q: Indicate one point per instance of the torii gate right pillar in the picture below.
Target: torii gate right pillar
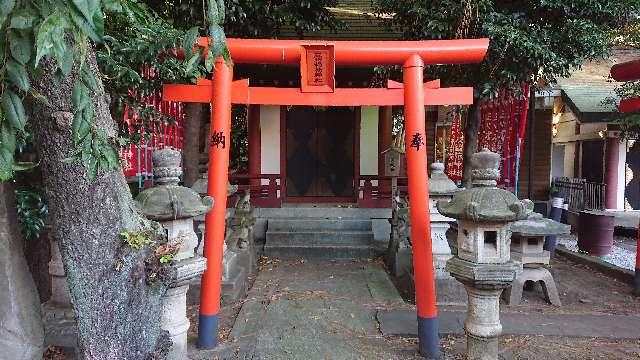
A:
(416, 150)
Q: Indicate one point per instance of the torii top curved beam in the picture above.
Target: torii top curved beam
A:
(265, 51)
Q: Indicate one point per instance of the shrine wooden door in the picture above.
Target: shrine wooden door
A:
(319, 154)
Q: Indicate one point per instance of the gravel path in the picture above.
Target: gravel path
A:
(621, 255)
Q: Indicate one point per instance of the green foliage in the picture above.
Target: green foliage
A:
(252, 18)
(32, 211)
(37, 29)
(133, 48)
(530, 41)
(137, 239)
(164, 259)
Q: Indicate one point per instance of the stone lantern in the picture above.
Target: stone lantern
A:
(527, 247)
(174, 207)
(440, 188)
(482, 264)
(448, 291)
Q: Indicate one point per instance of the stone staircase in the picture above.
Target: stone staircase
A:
(319, 238)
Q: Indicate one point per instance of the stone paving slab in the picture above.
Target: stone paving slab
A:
(316, 310)
(403, 323)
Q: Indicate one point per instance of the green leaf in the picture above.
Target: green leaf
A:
(13, 110)
(5, 9)
(22, 19)
(87, 8)
(17, 74)
(191, 63)
(209, 60)
(66, 62)
(80, 126)
(98, 24)
(190, 40)
(112, 5)
(8, 138)
(50, 37)
(84, 25)
(20, 46)
(88, 79)
(6, 164)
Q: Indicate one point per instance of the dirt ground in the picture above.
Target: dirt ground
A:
(582, 290)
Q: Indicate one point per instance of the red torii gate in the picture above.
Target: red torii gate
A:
(317, 61)
(630, 71)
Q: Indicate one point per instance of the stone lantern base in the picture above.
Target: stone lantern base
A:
(484, 283)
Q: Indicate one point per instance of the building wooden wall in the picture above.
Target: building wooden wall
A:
(540, 167)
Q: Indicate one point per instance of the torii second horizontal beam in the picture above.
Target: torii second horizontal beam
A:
(243, 94)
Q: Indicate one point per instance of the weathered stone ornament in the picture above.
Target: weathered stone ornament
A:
(239, 259)
(527, 248)
(482, 263)
(175, 206)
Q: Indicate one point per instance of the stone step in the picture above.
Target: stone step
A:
(319, 252)
(339, 213)
(307, 224)
(321, 238)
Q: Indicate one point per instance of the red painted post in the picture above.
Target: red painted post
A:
(611, 155)
(253, 134)
(416, 150)
(215, 219)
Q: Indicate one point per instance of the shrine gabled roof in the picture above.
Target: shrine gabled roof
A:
(359, 20)
(587, 87)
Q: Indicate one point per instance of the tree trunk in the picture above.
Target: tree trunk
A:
(470, 141)
(191, 152)
(21, 331)
(118, 313)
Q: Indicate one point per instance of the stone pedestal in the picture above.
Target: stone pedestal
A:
(484, 284)
(174, 319)
(58, 316)
(174, 304)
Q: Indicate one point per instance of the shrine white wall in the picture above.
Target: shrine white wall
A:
(369, 140)
(270, 139)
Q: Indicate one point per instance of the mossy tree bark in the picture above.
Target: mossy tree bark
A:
(470, 141)
(118, 313)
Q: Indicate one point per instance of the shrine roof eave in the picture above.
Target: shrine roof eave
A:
(265, 51)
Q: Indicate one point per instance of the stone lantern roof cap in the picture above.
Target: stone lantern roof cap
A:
(484, 201)
(439, 182)
(168, 200)
(537, 225)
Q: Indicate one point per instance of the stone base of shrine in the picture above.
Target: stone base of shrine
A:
(60, 326)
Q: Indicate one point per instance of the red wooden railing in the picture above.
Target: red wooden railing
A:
(375, 191)
(264, 189)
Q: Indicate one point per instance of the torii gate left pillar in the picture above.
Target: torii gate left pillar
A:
(318, 88)
(215, 219)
